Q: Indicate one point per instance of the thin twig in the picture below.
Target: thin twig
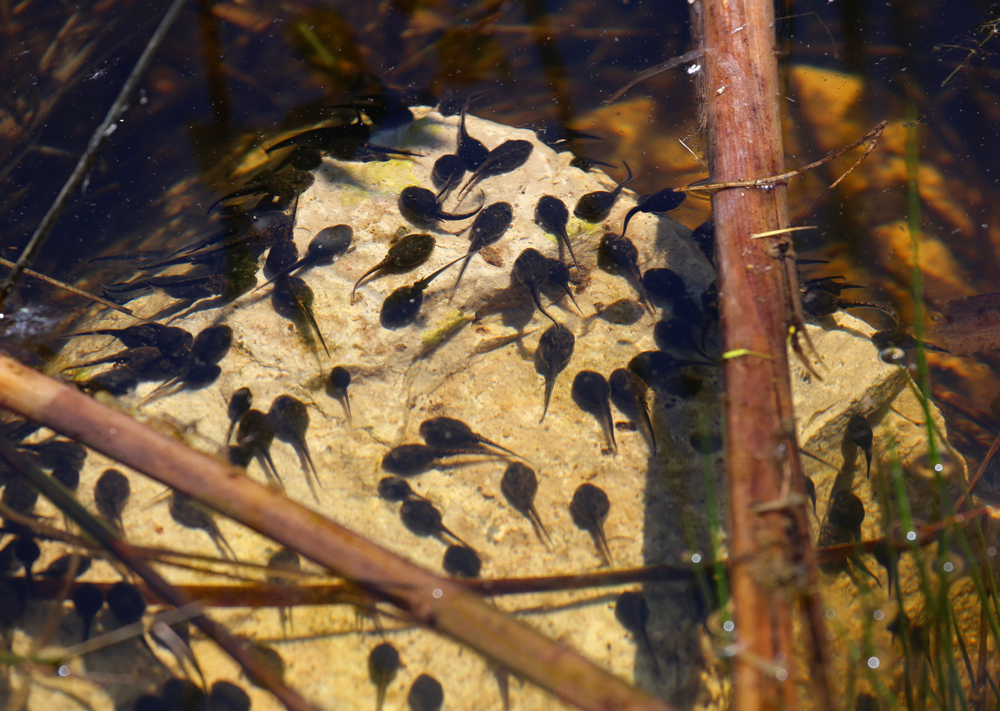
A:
(442, 604)
(874, 135)
(71, 289)
(97, 140)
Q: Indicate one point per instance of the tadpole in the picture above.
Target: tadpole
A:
(408, 253)
(239, 404)
(859, 432)
(472, 151)
(293, 299)
(287, 560)
(664, 201)
(426, 694)
(447, 433)
(559, 276)
(462, 562)
(110, 495)
(532, 269)
(519, 486)
(290, 419)
(394, 489)
(488, 227)
(280, 257)
(628, 393)
(596, 206)
(412, 459)
(621, 253)
(447, 172)
(189, 514)
(88, 599)
(593, 394)
(508, 156)
(383, 663)
(422, 518)
(340, 379)
(555, 349)
(551, 215)
(421, 206)
(589, 508)
(256, 433)
(632, 611)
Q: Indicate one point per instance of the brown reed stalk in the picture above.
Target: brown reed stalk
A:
(772, 564)
(443, 605)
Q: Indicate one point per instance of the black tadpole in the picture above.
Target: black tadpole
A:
(328, 244)
(189, 514)
(519, 486)
(239, 404)
(383, 663)
(27, 551)
(508, 156)
(622, 254)
(290, 419)
(412, 459)
(340, 380)
(447, 433)
(126, 603)
(421, 206)
(88, 599)
(559, 276)
(394, 489)
(255, 432)
(293, 299)
(447, 172)
(401, 307)
(462, 562)
(280, 257)
(488, 227)
(283, 560)
(422, 518)
(472, 151)
(551, 215)
(664, 201)
(859, 432)
(226, 696)
(596, 206)
(110, 495)
(593, 394)
(555, 348)
(628, 393)
(532, 269)
(170, 340)
(589, 508)
(426, 694)
(632, 611)
(819, 302)
(408, 253)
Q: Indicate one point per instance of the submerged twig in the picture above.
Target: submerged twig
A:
(444, 605)
(97, 140)
(72, 289)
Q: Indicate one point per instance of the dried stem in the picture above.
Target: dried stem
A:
(772, 563)
(441, 604)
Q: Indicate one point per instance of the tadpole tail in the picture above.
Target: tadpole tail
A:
(539, 527)
(602, 543)
(628, 217)
(312, 321)
(565, 238)
(447, 216)
(101, 361)
(538, 303)
(549, 384)
(269, 469)
(221, 543)
(884, 308)
(652, 652)
(461, 271)
(571, 298)
(452, 534)
(365, 276)
(304, 448)
(609, 430)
